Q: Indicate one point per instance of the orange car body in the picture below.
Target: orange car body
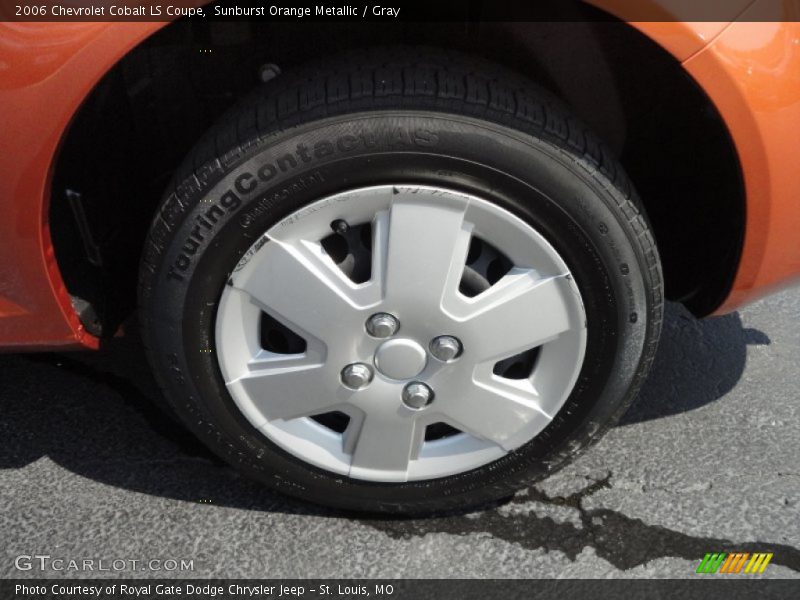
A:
(748, 66)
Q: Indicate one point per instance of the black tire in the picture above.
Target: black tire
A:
(430, 116)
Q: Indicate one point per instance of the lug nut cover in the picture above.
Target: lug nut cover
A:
(356, 376)
(382, 325)
(417, 395)
(446, 348)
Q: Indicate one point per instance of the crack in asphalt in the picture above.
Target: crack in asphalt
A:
(623, 541)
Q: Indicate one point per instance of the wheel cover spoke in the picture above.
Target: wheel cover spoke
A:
(494, 410)
(304, 271)
(383, 446)
(288, 388)
(521, 311)
(425, 249)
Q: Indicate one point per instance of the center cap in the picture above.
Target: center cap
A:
(400, 358)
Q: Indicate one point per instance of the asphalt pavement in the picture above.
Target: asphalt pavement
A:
(707, 460)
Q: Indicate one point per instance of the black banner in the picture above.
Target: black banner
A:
(400, 10)
(702, 588)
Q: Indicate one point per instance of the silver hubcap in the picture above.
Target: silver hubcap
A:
(456, 338)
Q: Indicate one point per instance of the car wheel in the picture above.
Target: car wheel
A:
(400, 284)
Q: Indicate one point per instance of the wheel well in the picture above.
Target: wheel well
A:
(148, 111)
